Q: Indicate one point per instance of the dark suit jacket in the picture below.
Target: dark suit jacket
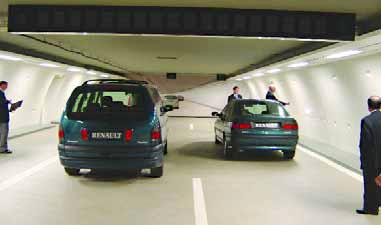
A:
(370, 143)
(4, 110)
(271, 96)
(232, 97)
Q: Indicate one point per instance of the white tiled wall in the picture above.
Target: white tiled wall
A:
(327, 100)
(31, 83)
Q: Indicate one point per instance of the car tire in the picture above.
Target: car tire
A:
(72, 171)
(156, 172)
(217, 141)
(227, 152)
(165, 149)
(288, 154)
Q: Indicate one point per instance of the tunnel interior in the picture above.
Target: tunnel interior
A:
(326, 70)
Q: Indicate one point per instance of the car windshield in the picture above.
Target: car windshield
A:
(171, 97)
(257, 108)
(94, 103)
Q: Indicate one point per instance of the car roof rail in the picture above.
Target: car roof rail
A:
(115, 81)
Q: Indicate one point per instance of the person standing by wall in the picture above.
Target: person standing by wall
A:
(271, 96)
(4, 119)
(235, 95)
(370, 150)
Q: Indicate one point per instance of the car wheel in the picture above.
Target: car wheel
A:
(156, 172)
(72, 171)
(216, 140)
(288, 154)
(165, 149)
(227, 152)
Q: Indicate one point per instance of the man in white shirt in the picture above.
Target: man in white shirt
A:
(235, 95)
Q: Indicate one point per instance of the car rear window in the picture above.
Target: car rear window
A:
(107, 102)
(171, 97)
(249, 109)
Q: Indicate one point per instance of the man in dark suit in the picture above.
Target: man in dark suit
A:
(235, 95)
(4, 119)
(270, 95)
(370, 150)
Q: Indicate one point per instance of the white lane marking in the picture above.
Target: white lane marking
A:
(331, 163)
(199, 202)
(21, 176)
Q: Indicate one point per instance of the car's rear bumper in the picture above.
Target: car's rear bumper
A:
(112, 158)
(264, 148)
(248, 143)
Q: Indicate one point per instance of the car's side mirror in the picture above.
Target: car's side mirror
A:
(166, 108)
(216, 114)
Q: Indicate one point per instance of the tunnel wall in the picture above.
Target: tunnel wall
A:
(44, 91)
(327, 100)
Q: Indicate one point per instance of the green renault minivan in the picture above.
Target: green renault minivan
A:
(113, 124)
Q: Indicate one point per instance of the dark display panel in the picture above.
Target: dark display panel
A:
(181, 21)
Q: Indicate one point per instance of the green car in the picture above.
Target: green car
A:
(249, 124)
(113, 125)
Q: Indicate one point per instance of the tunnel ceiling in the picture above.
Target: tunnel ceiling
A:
(162, 54)
(193, 55)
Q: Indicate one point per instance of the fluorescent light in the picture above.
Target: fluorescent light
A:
(272, 71)
(238, 79)
(104, 75)
(297, 65)
(308, 39)
(343, 54)
(7, 57)
(74, 69)
(246, 77)
(258, 74)
(90, 72)
(49, 65)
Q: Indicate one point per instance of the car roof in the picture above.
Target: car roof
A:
(117, 82)
(257, 100)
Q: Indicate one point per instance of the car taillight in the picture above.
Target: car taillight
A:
(290, 126)
(155, 134)
(241, 126)
(84, 134)
(128, 135)
(61, 134)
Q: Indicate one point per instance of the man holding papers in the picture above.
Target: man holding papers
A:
(4, 117)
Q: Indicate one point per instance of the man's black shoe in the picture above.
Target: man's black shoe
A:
(361, 211)
(6, 152)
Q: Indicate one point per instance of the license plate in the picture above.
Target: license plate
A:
(105, 135)
(266, 125)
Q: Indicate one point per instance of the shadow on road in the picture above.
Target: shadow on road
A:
(123, 176)
(210, 150)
